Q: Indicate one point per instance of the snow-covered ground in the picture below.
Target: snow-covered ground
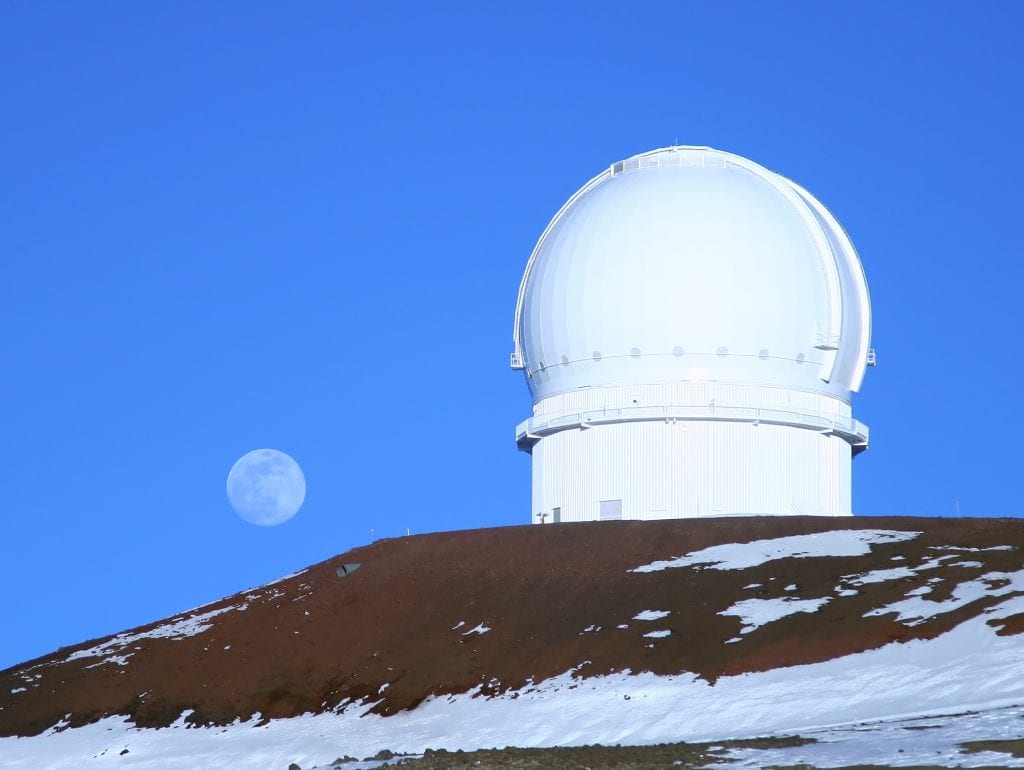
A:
(903, 704)
(851, 542)
(114, 650)
(970, 668)
(916, 609)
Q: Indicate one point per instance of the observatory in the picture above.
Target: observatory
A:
(691, 326)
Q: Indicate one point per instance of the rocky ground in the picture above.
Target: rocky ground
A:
(600, 631)
(680, 755)
(685, 756)
(499, 609)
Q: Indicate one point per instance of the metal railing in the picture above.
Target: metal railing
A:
(854, 431)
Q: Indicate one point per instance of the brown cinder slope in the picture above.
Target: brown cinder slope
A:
(553, 598)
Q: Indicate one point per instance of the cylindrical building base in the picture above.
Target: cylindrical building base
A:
(635, 459)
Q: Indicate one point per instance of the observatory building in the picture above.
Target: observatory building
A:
(691, 326)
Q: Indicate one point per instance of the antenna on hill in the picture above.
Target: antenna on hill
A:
(957, 505)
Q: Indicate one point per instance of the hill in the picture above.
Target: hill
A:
(604, 632)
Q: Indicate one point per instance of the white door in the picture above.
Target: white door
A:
(611, 509)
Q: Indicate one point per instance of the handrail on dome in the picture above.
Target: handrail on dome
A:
(532, 430)
(671, 157)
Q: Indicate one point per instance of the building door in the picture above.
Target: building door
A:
(611, 509)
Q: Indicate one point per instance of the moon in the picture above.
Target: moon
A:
(266, 487)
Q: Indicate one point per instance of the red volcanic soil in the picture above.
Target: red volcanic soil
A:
(405, 618)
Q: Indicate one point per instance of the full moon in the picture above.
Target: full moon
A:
(266, 487)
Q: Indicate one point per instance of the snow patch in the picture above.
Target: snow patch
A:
(851, 542)
(658, 634)
(477, 629)
(117, 660)
(915, 609)
(179, 629)
(652, 615)
(936, 562)
(897, 573)
(879, 576)
(754, 613)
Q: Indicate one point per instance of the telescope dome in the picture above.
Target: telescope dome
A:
(697, 265)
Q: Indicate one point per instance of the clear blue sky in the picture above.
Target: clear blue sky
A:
(228, 226)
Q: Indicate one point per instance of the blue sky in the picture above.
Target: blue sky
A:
(238, 225)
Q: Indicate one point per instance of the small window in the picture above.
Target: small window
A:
(635, 352)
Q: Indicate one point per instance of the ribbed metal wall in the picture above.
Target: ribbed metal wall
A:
(693, 468)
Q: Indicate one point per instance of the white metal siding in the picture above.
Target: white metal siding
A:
(674, 470)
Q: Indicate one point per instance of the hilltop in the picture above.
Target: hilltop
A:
(603, 632)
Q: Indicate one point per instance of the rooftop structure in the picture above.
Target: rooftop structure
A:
(691, 326)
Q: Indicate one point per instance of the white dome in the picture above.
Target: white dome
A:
(692, 264)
